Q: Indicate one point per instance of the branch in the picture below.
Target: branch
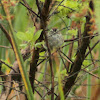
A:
(6, 33)
(76, 66)
(44, 16)
(43, 24)
(39, 9)
(30, 9)
(7, 65)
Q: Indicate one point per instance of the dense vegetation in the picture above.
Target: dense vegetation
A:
(30, 69)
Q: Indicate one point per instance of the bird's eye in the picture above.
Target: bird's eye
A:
(54, 29)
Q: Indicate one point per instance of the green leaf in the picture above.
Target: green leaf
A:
(23, 45)
(69, 6)
(63, 72)
(73, 31)
(26, 36)
(42, 0)
(39, 44)
(21, 36)
(29, 34)
(37, 35)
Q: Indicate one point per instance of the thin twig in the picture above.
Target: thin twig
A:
(92, 74)
(13, 88)
(6, 47)
(6, 33)
(91, 55)
(39, 9)
(30, 10)
(56, 8)
(70, 53)
(92, 48)
(7, 65)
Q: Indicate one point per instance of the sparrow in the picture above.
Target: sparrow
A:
(55, 38)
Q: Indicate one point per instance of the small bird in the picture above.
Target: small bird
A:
(55, 38)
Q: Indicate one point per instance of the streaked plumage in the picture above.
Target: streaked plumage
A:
(55, 38)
